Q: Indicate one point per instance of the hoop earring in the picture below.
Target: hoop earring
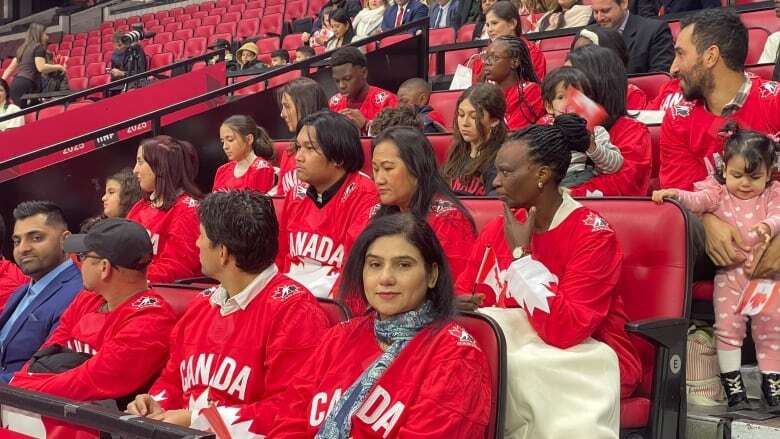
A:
(539, 184)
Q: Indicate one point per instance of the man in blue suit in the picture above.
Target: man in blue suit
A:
(445, 13)
(34, 309)
(402, 12)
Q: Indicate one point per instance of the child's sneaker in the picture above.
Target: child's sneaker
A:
(735, 391)
(770, 388)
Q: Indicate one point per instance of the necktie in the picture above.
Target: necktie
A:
(437, 22)
(400, 17)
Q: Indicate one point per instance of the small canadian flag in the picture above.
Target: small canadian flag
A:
(757, 295)
(585, 107)
(491, 276)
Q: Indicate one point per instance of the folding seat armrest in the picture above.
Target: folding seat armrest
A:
(668, 403)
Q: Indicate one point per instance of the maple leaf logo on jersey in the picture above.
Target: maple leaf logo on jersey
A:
(768, 88)
(191, 202)
(300, 191)
(596, 222)
(285, 292)
(146, 302)
(335, 99)
(348, 191)
(380, 97)
(683, 109)
(464, 338)
(440, 206)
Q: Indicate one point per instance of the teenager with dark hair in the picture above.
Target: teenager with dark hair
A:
(11, 277)
(508, 65)
(280, 57)
(352, 7)
(249, 151)
(121, 193)
(503, 19)
(408, 180)
(33, 310)
(560, 262)
(166, 168)
(407, 349)
(303, 53)
(258, 326)
(607, 78)
(356, 99)
(479, 131)
(393, 117)
(325, 212)
(343, 32)
(297, 99)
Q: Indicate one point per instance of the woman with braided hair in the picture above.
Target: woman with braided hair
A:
(563, 317)
(508, 65)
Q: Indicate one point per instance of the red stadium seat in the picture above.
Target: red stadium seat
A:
(764, 18)
(191, 9)
(335, 311)
(315, 6)
(292, 41)
(88, 59)
(226, 28)
(93, 40)
(256, 4)
(204, 31)
(490, 338)
(756, 40)
(555, 58)
(465, 32)
(173, 27)
(77, 105)
(163, 37)
(107, 56)
(134, 19)
(157, 29)
(67, 37)
(250, 89)
(650, 84)
(183, 18)
(78, 43)
(248, 27)
(75, 71)
(674, 26)
(655, 151)
(160, 60)
(107, 46)
(271, 24)
(167, 20)
(149, 16)
(556, 43)
(178, 296)
(762, 70)
(284, 78)
(51, 111)
(191, 23)
(441, 144)
(183, 34)
(165, 14)
(213, 39)
(253, 13)
(98, 80)
(175, 12)
(74, 61)
(94, 48)
(200, 14)
(441, 36)
(266, 45)
(445, 102)
(176, 47)
(274, 9)
(150, 23)
(77, 51)
(93, 33)
(95, 69)
(231, 17)
(194, 47)
(212, 20)
(236, 8)
(218, 11)
(294, 10)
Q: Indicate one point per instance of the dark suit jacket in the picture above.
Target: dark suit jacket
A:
(650, 8)
(33, 327)
(650, 45)
(414, 11)
(453, 14)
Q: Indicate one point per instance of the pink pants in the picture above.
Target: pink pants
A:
(730, 327)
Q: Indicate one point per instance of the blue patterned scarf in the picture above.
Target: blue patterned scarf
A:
(396, 332)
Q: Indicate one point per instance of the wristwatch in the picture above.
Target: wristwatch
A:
(519, 252)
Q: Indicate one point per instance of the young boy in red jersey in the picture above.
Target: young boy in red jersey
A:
(237, 346)
(356, 99)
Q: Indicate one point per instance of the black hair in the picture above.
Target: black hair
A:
(544, 23)
(348, 55)
(4, 86)
(609, 38)
(417, 84)
(307, 50)
(416, 152)
(419, 234)
(307, 96)
(485, 98)
(244, 222)
(607, 76)
(552, 145)
(281, 53)
(53, 213)
(524, 71)
(403, 115)
(175, 166)
(338, 138)
(340, 15)
(89, 223)
(245, 125)
(569, 77)
(719, 27)
(129, 190)
(507, 11)
(757, 149)
(3, 231)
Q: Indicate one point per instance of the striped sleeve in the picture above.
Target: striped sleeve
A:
(606, 156)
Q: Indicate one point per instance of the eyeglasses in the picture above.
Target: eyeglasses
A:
(489, 58)
(82, 256)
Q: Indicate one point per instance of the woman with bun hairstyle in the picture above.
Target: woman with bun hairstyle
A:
(166, 169)
(249, 150)
(561, 262)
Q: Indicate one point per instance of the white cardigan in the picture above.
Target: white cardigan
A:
(577, 16)
(367, 21)
(11, 123)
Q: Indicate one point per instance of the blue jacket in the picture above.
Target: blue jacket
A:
(33, 327)
(414, 11)
(453, 14)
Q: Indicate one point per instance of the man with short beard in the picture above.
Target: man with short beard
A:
(709, 62)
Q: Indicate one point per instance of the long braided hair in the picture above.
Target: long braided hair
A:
(518, 50)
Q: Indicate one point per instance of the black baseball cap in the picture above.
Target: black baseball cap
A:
(123, 242)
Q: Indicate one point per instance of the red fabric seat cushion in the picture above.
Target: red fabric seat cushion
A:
(634, 412)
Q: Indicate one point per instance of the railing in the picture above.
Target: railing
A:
(156, 115)
(113, 85)
(94, 416)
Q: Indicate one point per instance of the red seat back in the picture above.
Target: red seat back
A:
(762, 70)
(555, 58)
(153, 49)
(88, 59)
(756, 40)
(183, 34)
(192, 23)
(175, 47)
(51, 111)
(160, 60)
(655, 151)
(294, 10)
(271, 24)
(441, 36)
(441, 146)
(292, 41)
(248, 28)
(194, 47)
(266, 45)
(75, 71)
(77, 83)
(178, 296)
(226, 28)
(466, 32)
(212, 20)
(96, 68)
(231, 17)
(445, 102)
(284, 78)
(204, 31)
(764, 18)
(163, 37)
(335, 311)
(650, 84)
(556, 43)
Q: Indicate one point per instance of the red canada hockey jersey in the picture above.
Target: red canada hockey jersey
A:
(246, 358)
(288, 177)
(692, 149)
(11, 278)
(636, 98)
(376, 100)
(173, 234)
(259, 176)
(314, 242)
(669, 96)
(438, 387)
(537, 59)
(583, 252)
(125, 356)
(524, 110)
(633, 140)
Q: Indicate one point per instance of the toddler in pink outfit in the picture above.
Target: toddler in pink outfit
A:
(744, 196)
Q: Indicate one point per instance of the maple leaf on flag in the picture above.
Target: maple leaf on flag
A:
(224, 421)
(529, 283)
(316, 277)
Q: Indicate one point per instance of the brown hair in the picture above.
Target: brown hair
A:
(174, 163)
(486, 98)
(33, 37)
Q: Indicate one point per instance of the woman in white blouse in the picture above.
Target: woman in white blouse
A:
(8, 108)
(368, 20)
(567, 13)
